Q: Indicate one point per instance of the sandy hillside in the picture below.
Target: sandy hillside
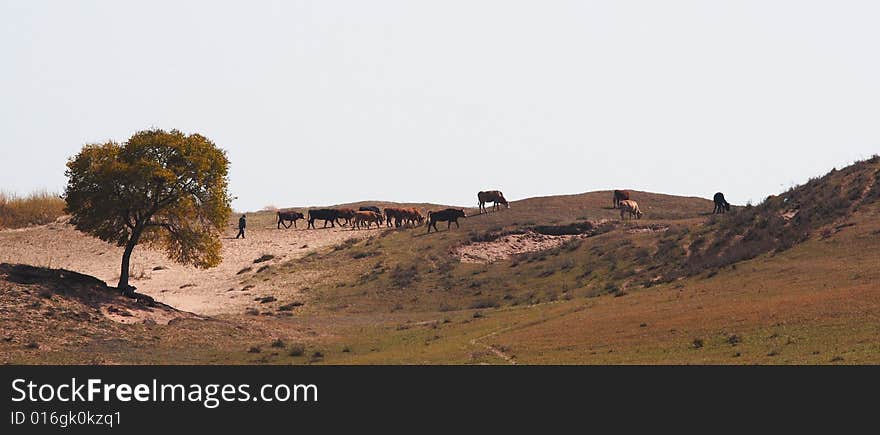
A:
(213, 291)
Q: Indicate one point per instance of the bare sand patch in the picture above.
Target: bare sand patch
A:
(205, 292)
(509, 246)
(652, 228)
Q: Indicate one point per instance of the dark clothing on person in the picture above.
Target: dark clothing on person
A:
(242, 223)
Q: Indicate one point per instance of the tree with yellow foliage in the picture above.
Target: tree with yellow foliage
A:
(166, 189)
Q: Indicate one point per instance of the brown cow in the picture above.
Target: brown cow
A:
(392, 216)
(345, 213)
(631, 207)
(619, 195)
(403, 216)
(366, 217)
(412, 217)
(493, 196)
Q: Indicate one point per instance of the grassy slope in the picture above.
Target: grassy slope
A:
(812, 303)
(816, 303)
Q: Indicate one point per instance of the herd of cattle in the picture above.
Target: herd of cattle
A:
(367, 216)
(412, 217)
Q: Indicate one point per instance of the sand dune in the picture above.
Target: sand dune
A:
(58, 245)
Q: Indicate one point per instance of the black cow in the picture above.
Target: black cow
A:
(290, 216)
(370, 208)
(449, 216)
(324, 214)
(721, 205)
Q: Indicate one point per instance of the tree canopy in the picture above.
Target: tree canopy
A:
(167, 189)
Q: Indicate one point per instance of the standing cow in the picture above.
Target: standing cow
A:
(721, 204)
(345, 213)
(366, 217)
(324, 214)
(393, 216)
(619, 195)
(493, 196)
(411, 216)
(449, 216)
(290, 216)
(631, 207)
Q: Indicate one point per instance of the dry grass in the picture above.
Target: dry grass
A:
(37, 208)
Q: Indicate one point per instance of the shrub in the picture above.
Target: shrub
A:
(264, 257)
(485, 303)
(290, 306)
(345, 245)
(612, 288)
(38, 208)
(546, 273)
(403, 276)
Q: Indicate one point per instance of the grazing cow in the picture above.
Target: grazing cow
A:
(721, 205)
(345, 213)
(324, 214)
(290, 216)
(370, 208)
(631, 207)
(619, 195)
(493, 196)
(449, 216)
(411, 216)
(366, 217)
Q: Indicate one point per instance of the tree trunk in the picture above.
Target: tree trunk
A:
(123, 273)
(126, 260)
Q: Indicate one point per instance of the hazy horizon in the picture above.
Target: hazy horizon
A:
(321, 103)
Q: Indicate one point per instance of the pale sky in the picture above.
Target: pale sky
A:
(327, 102)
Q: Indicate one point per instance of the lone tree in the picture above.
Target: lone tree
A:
(166, 189)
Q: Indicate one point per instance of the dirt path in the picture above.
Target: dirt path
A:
(494, 349)
(58, 245)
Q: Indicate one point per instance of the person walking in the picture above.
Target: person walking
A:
(242, 223)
